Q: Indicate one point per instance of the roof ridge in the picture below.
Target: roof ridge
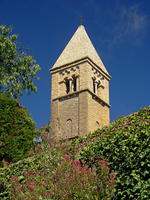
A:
(79, 46)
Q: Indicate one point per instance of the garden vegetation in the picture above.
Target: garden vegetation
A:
(17, 130)
(53, 172)
(111, 163)
(126, 145)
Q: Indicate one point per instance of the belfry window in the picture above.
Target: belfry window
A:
(95, 86)
(71, 84)
(67, 86)
(74, 84)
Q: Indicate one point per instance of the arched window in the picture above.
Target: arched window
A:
(67, 86)
(69, 127)
(74, 84)
(71, 84)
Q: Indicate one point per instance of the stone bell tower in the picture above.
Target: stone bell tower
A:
(80, 89)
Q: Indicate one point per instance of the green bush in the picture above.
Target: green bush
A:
(52, 173)
(126, 145)
(17, 130)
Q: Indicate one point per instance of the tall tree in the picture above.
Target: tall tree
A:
(17, 69)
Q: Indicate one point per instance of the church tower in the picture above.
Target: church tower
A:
(80, 89)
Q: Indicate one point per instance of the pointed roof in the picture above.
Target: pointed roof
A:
(80, 46)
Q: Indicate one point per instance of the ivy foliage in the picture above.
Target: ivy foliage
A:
(16, 169)
(43, 158)
(17, 69)
(17, 130)
(126, 145)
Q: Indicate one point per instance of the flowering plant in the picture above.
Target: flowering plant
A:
(59, 175)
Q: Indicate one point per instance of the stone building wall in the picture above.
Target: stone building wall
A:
(80, 89)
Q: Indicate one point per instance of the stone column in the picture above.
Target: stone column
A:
(70, 85)
(96, 86)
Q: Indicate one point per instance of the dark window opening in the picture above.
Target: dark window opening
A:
(94, 86)
(67, 86)
(74, 84)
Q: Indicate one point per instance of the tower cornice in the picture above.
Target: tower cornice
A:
(78, 62)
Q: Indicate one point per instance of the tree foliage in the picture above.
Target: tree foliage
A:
(17, 130)
(126, 145)
(17, 69)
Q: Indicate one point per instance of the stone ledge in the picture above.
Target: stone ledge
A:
(77, 62)
(75, 94)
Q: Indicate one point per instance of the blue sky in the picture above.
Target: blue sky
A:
(119, 30)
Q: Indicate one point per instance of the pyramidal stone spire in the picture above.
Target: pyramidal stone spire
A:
(79, 89)
(80, 46)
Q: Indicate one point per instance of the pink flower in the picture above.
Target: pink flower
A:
(108, 182)
(80, 172)
(85, 179)
(65, 195)
(31, 151)
(107, 168)
(113, 180)
(77, 163)
(41, 183)
(53, 188)
(85, 169)
(28, 182)
(28, 174)
(93, 168)
(112, 175)
(104, 163)
(72, 163)
(89, 171)
(18, 188)
(62, 163)
(71, 178)
(47, 193)
(67, 157)
(38, 148)
(15, 178)
(31, 187)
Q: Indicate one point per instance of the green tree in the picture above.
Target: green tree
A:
(17, 69)
(17, 130)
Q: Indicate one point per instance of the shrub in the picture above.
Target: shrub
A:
(17, 130)
(126, 144)
(52, 173)
(68, 180)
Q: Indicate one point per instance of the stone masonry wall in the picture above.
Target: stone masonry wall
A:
(83, 111)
